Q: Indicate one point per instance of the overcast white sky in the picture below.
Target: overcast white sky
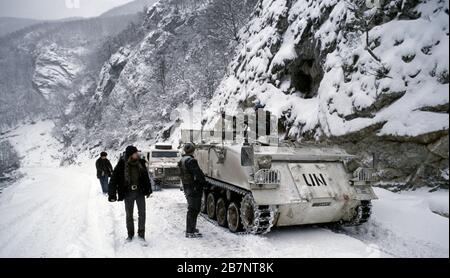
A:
(56, 9)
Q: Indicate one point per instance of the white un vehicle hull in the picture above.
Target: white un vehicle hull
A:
(282, 186)
(255, 186)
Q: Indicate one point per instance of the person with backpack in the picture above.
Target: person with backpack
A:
(104, 171)
(193, 180)
(130, 182)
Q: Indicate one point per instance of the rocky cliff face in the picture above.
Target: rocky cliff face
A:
(55, 69)
(183, 55)
(373, 79)
(44, 66)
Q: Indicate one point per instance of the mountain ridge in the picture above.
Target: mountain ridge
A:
(11, 24)
(129, 8)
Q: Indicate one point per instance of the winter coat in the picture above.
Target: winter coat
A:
(104, 168)
(192, 176)
(120, 185)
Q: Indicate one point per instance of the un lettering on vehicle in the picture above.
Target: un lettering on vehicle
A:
(315, 179)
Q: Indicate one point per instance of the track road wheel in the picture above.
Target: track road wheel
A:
(233, 218)
(203, 207)
(221, 212)
(211, 206)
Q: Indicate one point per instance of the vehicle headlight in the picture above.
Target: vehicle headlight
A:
(265, 162)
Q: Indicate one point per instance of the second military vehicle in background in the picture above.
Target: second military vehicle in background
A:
(163, 165)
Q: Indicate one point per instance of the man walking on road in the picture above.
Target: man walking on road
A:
(104, 171)
(193, 182)
(130, 182)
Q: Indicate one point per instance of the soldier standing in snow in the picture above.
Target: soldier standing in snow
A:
(104, 171)
(130, 182)
(193, 182)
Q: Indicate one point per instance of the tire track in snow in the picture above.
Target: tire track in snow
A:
(97, 236)
(373, 234)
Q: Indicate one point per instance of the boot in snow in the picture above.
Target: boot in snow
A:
(142, 241)
(194, 235)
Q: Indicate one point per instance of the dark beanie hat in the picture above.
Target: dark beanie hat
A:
(130, 151)
(189, 148)
(102, 154)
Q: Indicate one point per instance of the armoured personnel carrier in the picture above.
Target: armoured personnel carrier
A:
(254, 186)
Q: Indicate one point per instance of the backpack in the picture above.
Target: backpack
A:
(185, 174)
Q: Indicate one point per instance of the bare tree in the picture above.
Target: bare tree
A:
(225, 18)
(161, 71)
(364, 21)
(185, 5)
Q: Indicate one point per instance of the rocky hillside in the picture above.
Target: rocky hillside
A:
(43, 67)
(373, 79)
(183, 56)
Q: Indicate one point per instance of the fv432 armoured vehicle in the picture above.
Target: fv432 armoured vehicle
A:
(253, 187)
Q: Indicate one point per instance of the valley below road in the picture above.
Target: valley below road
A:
(56, 211)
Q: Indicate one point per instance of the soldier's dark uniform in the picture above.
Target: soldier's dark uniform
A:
(193, 182)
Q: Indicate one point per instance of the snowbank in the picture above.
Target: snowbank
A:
(403, 225)
(36, 145)
(437, 201)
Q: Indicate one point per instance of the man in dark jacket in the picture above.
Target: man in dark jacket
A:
(104, 171)
(193, 182)
(130, 182)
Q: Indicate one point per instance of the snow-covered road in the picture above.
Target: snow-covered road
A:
(59, 212)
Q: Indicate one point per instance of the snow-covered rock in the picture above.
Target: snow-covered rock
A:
(55, 69)
(179, 59)
(370, 78)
